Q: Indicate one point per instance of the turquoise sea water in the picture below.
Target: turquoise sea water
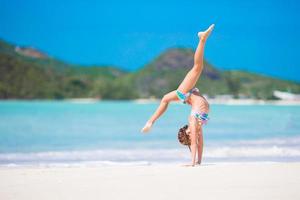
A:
(61, 132)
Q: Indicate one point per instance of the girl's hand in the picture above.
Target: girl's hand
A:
(189, 165)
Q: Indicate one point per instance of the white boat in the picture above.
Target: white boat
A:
(286, 95)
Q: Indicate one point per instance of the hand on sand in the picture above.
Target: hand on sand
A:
(204, 34)
(147, 127)
(189, 165)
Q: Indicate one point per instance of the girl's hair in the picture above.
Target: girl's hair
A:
(184, 137)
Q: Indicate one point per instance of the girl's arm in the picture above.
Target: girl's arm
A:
(193, 136)
(200, 144)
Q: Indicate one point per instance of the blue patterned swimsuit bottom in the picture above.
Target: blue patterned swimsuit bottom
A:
(200, 116)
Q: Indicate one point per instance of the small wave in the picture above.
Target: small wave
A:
(104, 154)
(277, 141)
(274, 151)
(75, 164)
(109, 157)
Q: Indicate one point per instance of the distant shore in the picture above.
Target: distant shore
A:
(234, 101)
(213, 101)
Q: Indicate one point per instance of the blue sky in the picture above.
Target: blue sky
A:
(258, 36)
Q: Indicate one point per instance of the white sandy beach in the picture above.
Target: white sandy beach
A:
(210, 181)
(233, 102)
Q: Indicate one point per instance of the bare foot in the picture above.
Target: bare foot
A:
(147, 127)
(204, 35)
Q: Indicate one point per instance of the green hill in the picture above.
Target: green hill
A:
(27, 73)
(29, 77)
(167, 71)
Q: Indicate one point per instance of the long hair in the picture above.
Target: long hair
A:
(184, 137)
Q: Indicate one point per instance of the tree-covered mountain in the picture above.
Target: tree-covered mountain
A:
(167, 71)
(30, 77)
(27, 73)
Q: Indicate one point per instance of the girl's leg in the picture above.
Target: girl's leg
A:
(193, 75)
(171, 96)
(200, 144)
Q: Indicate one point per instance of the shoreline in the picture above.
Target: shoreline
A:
(153, 100)
(141, 164)
(233, 102)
